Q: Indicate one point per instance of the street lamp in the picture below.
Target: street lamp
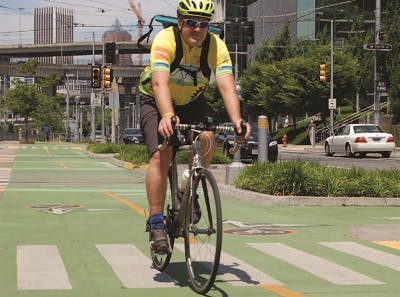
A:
(77, 98)
(68, 76)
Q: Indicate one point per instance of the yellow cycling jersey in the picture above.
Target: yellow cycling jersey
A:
(187, 81)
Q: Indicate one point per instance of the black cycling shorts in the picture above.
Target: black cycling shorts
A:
(191, 113)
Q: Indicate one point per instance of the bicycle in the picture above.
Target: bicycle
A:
(202, 239)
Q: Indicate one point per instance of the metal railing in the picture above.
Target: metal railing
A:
(322, 133)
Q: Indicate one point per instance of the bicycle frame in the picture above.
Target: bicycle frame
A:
(202, 233)
(179, 207)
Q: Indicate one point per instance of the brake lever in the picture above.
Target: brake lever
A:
(239, 142)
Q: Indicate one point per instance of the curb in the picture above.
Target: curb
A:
(264, 199)
(233, 193)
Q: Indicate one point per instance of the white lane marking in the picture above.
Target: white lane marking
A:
(317, 266)
(237, 272)
(132, 267)
(366, 253)
(40, 267)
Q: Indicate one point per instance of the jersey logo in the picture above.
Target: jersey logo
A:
(161, 53)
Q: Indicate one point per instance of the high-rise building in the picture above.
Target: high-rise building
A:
(306, 18)
(54, 25)
(114, 34)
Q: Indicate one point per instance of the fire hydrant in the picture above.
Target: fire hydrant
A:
(284, 140)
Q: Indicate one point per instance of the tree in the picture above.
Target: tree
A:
(22, 100)
(291, 85)
(392, 34)
(365, 59)
(28, 101)
(281, 48)
(48, 113)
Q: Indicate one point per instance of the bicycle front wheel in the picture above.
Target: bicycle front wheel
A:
(203, 231)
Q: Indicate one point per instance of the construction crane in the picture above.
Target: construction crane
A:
(137, 11)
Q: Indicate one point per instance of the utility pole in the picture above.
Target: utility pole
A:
(331, 83)
(103, 139)
(93, 107)
(20, 24)
(376, 75)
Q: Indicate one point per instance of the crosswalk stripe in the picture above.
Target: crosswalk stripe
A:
(366, 253)
(317, 266)
(237, 272)
(132, 267)
(40, 267)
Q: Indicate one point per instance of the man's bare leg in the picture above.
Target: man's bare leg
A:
(207, 147)
(156, 179)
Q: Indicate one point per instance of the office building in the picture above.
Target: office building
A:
(54, 25)
(114, 34)
(306, 18)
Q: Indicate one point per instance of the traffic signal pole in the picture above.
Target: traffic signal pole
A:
(376, 75)
(93, 108)
(103, 139)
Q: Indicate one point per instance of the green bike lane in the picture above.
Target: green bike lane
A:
(71, 225)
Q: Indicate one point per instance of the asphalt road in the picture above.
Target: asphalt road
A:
(72, 225)
(316, 154)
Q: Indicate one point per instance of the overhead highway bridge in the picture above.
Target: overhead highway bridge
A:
(69, 49)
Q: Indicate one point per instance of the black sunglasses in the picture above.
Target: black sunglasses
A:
(195, 24)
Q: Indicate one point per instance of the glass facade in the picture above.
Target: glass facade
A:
(235, 39)
(306, 19)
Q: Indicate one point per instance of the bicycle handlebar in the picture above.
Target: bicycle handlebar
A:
(203, 127)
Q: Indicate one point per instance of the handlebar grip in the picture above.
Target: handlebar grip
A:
(244, 128)
(163, 146)
(174, 120)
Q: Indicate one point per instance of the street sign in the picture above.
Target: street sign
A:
(332, 104)
(381, 87)
(377, 47)
(95, 100)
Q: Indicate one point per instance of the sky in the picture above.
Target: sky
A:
(89, 15)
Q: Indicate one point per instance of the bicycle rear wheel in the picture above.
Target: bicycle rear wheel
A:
(203, 240)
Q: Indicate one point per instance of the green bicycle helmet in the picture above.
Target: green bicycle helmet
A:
(196, 8)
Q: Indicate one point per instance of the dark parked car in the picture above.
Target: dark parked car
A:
(132, 136)
(249, 151)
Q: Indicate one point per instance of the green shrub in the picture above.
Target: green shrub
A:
(137, 154)
(104, 148)
(301, 178)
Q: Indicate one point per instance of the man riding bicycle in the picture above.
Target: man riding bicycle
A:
(169, 88)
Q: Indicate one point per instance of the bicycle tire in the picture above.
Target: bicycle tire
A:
(203, 240)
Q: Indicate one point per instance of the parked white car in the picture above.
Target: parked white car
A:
(360, 139)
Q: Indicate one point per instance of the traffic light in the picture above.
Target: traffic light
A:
(381, 35)
(107, 76)
(95, 77)
(109, 52)
(250, 32)
(322, 72)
